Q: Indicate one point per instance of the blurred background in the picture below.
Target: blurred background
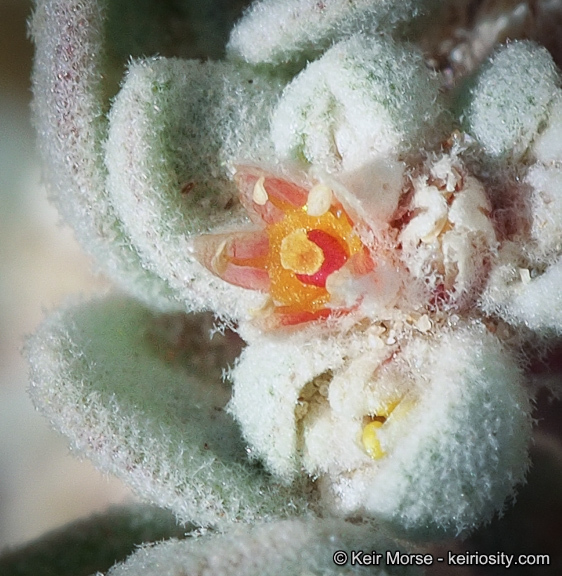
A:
(42, 486)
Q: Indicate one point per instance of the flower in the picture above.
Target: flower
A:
(384, 269)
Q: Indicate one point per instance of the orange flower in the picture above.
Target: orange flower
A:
(302, 238)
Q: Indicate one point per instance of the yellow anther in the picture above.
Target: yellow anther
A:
(370, 440)
(319, 200)
(259, 194)
(299, 254)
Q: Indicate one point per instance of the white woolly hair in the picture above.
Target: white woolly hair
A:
(512, 98)
(290, 548)
(463, 429)
(110, 384)
(363, 99)
(69, 108)
(457, 453)
(278, 31)
(176, 129)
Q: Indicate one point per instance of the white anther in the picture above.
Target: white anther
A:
(319, 200)
(259, 195)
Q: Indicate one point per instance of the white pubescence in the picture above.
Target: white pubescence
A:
(545, 180)
(523, 287)
(546, 210)
(372, 192)
(339, 411)
(453, 418)
(547, 147)
(450, 239)
(355, 409)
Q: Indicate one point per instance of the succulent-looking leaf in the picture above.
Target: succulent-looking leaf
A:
(71, 99)
(363, 100)
(278, 31)
(512, 99)
(151, 410)
(520, 299)
(461, 429)
(452, 411)
(176, 128)
(289, 548)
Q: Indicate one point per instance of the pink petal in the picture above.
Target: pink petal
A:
(238, 258)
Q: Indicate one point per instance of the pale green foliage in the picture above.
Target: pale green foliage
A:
(176, 130)
(271, 430)
(512, 99)
(277, 31)
(547, 147)
(143, 173)
(468, 401)
(103, 376)
(534, 302)
(466, 436)
(362, 100)
(545, 182)
(516, 114)
(71, 124)
(290, 548)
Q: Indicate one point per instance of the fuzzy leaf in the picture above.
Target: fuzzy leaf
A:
(142, 397)
(460, 426)
(290, 548)
(512, 99)
(277, 31)
(363, 100)
(546, 210)
(520, 299)
(177, 127)
(275, 387)
(466, 436)
(70, 101)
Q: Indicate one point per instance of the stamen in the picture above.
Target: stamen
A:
(370, 440)
(370, 436)
(219, 261)
(259, 193)
(301, 239)
(319, 200)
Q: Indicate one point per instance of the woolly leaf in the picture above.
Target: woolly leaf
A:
(70, 100)
(464, 432)
(176, 129)
(546, 209)
(364, 99)
(276, 387)
(512, 99)
(521, 299)
(457, 422)
(277, 31)
(290, 548)
(142, 397)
